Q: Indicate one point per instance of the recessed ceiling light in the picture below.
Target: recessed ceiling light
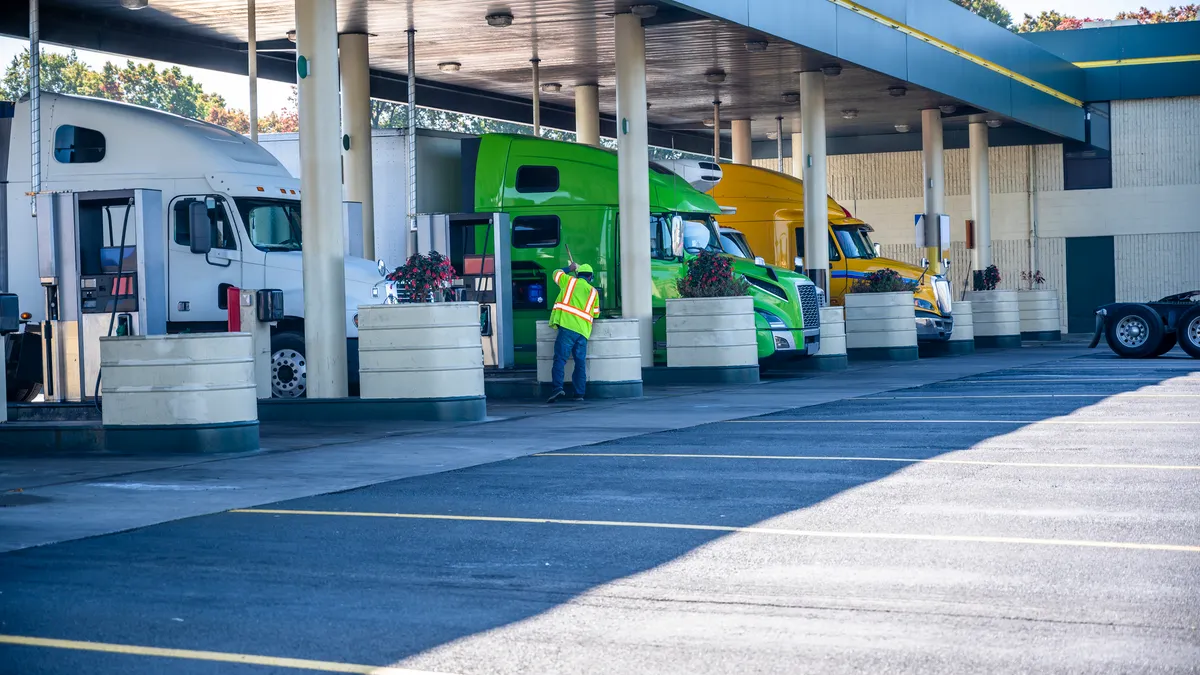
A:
(291, 35)
(993, 123)
(756, 45)
(790, 97)
(135, 4)
(948, 109)
(902, 128)
(449, 66)
(643, 11)
(850, 113)
(552, 87)
(832, 70)
(499, 19)
(714, 76)
(897, 90)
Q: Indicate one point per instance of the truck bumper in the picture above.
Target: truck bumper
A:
(934, 328)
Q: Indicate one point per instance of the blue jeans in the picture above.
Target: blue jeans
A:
(570, 344)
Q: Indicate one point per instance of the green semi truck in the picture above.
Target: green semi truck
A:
(559, 195)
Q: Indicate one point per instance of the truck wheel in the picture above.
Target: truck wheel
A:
(1188, 332)
(1134, 331)
(289, 369)
(23, 393)
(1165, 345)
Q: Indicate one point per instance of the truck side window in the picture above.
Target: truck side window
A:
(78, 145)
(660, 238)
(833, 250)
(535, 231)
(537, 179)
(222, 237)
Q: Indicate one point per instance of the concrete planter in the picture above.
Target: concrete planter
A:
(997, 318)
(832, 355)
(881, 326)
(187, 393)
(715, 338)
(614, 360)
(1039, 312)
(425, 357)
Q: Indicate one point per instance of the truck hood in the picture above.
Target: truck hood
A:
(358, 270)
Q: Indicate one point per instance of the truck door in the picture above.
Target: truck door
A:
(197, 282)
(839, 275)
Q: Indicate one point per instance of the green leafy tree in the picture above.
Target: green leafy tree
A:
(1171, 15)
(989, 9)
(60, 74)
(1052, 20)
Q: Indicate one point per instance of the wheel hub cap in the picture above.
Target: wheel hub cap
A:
(288, 378)
(1132, 331)
(1193, 331)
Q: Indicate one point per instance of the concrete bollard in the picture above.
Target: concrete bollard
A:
(260, 339)
(832, 355)
(192, 392)
(962, 340)
(881, 326)
(428, 355)
(614, 360)
(714, 339)
(997, 318)
(1039, 312)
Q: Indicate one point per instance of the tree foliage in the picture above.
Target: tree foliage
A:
(1052, 20)
(989, 9)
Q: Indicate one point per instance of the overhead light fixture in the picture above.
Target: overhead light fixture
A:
(714, 76)
(993, 123)
(756, 45)
(790, 97)
(643, 11)
(902, 128)
(772, 135)
(135, 4)
(897, 90)
(450, 66)
(832, 70)
(291, 35)
(948, 109)
(552, 87)
(709, 123)
(850, 113)
(499, 20)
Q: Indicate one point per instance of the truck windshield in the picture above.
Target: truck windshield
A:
(700, 233)
(735, 244)
(854, 241)
(273, 224)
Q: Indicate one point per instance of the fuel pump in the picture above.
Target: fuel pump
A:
(102, 263)
(479, 247)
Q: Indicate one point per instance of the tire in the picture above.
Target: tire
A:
(1165, 345)
(23, 394)
(289, 368)
(1134, 331)
(1188, 332)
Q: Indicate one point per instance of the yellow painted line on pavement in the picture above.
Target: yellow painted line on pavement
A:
(899, 460)
(1045, 421)
(1143, 61)
(821, 534)
(222, 657)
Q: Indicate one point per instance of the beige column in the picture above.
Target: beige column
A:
(743, 146)
(797, 150)
(354, 55)
(633, 171)
(981, 198)
(321, 207)
(933, 162)
(587, 114)
(816, 205)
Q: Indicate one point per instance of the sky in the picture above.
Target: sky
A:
(274, 95)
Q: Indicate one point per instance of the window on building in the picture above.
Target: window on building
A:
(78, 145)
(535, 231)
(1088, 165)
(537, 179)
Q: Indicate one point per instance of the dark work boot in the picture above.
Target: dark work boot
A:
(556, 396)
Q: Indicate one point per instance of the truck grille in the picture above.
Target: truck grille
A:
(941, 289)
(809, 305)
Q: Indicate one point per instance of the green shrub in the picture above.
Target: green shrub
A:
(886, 280)
(710, 275)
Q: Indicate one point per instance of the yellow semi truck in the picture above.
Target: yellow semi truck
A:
(768, 207)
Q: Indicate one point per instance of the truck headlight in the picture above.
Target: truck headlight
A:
(773, 321)
(923, 304)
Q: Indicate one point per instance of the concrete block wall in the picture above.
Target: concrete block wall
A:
(1152, 211)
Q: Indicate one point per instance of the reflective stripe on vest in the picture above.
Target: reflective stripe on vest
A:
(571, 288)
(558, 274)
(573, 311)
(591, 303)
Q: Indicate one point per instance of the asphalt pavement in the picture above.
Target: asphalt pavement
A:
(1041, 518)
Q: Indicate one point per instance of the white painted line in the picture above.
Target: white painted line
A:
(899, 460)
(1107, 422)
(962, 396)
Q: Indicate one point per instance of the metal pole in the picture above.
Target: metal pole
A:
(35, 106)
(252, 68)
(779, 143)
(537, 97)
(717, 131)
(412, 131)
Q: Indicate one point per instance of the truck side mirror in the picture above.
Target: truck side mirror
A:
(878, 251)
(199, 227)
(677, 236)
(798, 264)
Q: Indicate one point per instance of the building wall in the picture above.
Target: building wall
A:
(1152, 211)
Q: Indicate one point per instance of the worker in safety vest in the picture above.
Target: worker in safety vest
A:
(578, 304)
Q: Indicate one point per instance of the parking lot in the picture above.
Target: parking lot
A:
(1038, 518)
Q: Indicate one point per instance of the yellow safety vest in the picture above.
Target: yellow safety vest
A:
(578, 304)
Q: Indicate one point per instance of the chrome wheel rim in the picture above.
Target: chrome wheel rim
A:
(288, 374)
(1133, 331)
(1193, 332)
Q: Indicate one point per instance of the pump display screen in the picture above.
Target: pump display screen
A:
(111, 261)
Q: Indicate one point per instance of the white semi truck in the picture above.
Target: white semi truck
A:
(253, 201)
